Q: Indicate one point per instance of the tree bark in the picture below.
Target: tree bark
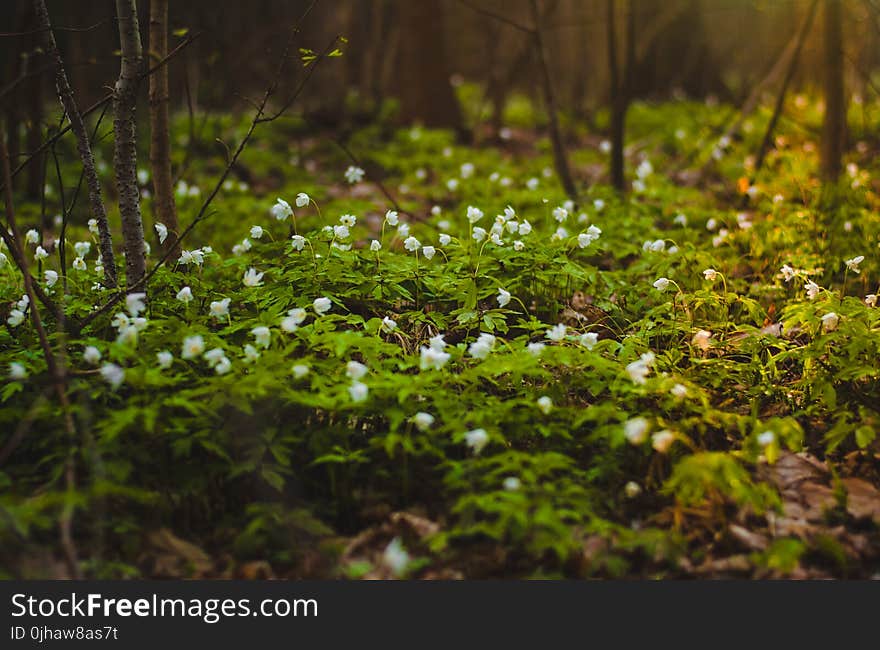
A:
(84, 148)
(125, 146)
(160, 146)
(834, 123)
(560, 158)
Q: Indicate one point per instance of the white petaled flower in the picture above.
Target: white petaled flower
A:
(428, 252)
(375, 245)
(219, 308)
(395, 557)
(680, 220)
(128, 335)
(185, 295)
(787, 272)
(51, 277)
(355, 370)
(91, 355)
(512, 227)
(82, 248)
(560, 214)
(354, 174)
(302, 200)
(432, 357)
(710, 274)
(120, 320)
(164, 359)
(358, 391)
(524, 228)
(391, 217)
(348, 220)
(262, 335)
(535, 348)
(518, 245)
(298, 242)
(299, 370)
(251, 354)
(545, 404)
(281, 210)
(214, 356)
(467, 170)
(481, 348)
(560, 234)
(871, 300)
(193, 346)
(632, 490)
(17, 371)
(476, 439)
(223, 366)
(557, 333)
(830, 321)
(252, 278)
(452, 184)
(388, 324)
(853, 264)
(161, 231)
(766, 438)
(702, 339)
(812, 288)
(661, 284)
(322, 305)
(474, 214)
(93, 226)
(589, 340)
(32, 237)
(445, 239)
(423, 421)
(40, 253)
(403, 230)
(113, 375)
(511, 484)
(503, 297)
(533, 183)
(411, 244)
(479, 234)
(662, 440)
(679, 390)
(635, 430)
(134, 303)
(256, 232)
(443, 224)
(341, 231)
(639, 369)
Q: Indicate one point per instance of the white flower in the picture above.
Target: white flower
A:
(452, 184)
(17, 371)
(93, 226)
(134, 303)
(164, 359)
(661, 284)
(702, 339)
(479, 234)
(445, 239)
(560, 234)
(545, 404)
(223, 366)
(474, 214)
(644, 169)
(355, 370)
(503, 297)
(262, 335)
(812, 288)
(589, 340)
(395, 557)
(256, 232)
(302, 200)
(82, 248)
(766, 438)
(557, 333)
(871, 300)
(214, 356)
(162, 231)
(322, 305)
(251, 354)
(348, 220)
(193, 346)
(710, 274)
(40, 253)
(830, 321)
(403, 230)
(197, 256)
(533, 183)
(388, 324)
(91, 355)
(391, 217)
(51, 278)
(680, 220)
(219, 308)
(281, 210)
(511, 484)
(560, 214)
(467, 170)
(433, 357)
(535, 348)
(662, 440)
(787, 272)
(632, 490)
(113, 375)
(428, 252)
(375, 245)
(411, 244)
(80, 264)
(341, 231)
(481, 348)
(638, 370)
(524, 228)
(679, 390)
(853, 264)
(252, 278)
(423, 421)
(31, 237)
(299, 371)
(358, 391)
(636, 430)
(476, 440)
(518, 245)
(354, 174)
(185, 295)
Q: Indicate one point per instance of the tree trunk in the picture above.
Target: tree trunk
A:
(559, 156)
(160, 147)
(84, 148)
(125, 146)
(834, 123)
(618, 104)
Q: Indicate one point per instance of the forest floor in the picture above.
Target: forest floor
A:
(426, 361)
